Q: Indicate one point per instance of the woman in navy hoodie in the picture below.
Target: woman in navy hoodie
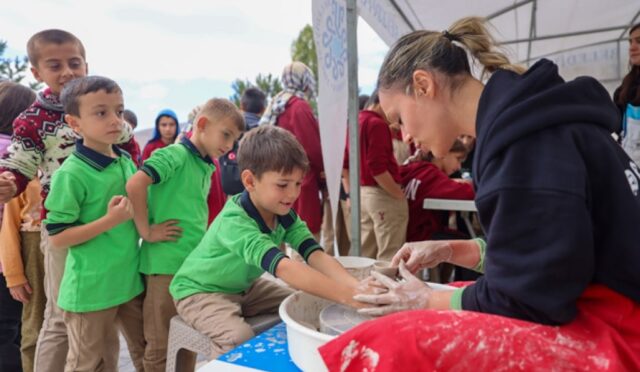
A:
(164, 134)
(557, 198)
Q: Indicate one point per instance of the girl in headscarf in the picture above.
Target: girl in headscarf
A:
(290, 110)
(165, 132)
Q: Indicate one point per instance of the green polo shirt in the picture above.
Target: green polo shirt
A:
(238, 248)
(181, 182)
(101, 272)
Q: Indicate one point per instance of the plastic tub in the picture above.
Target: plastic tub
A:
(300, 313)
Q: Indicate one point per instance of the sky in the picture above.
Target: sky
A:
(177, 54)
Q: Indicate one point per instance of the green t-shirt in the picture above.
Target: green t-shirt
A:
(101, 272)
(238, 248)
(181, 182)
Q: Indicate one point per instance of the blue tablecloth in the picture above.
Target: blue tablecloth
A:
(267, 351)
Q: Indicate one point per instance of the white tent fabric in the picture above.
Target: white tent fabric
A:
(584, 37)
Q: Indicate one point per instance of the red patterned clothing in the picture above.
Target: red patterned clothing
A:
(42, 140)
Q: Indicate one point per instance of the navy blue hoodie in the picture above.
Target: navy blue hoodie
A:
(557, 197)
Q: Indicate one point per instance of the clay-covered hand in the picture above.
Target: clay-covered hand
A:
(370, 285)
(410, 294)
(425, 254)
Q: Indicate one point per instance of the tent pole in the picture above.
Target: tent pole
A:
(354, 147)
(557, 36)
(532, 29)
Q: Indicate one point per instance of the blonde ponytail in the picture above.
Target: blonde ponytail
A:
(473, 34)
(444, 52)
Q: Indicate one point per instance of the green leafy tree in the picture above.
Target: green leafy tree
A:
(268, 83)
(15, 69)
(303, 49)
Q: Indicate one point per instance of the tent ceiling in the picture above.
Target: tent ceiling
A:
(548, 23)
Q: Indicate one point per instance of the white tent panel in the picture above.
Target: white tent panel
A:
(552, 27)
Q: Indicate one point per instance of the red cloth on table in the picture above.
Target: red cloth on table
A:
(298, 119)
(217, 197)
(422, 180)
(605, 336)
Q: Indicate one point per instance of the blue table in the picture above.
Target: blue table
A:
(267, 351)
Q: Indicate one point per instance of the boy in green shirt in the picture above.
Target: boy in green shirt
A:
(219, 283)
(89, 213)
(172, 216)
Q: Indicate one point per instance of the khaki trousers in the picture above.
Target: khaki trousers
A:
(52, 346)
(157, 310)
(383, 222)
(87, 346)
(33, 311)
(220, 316)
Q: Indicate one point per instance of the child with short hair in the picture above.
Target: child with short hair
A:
(428, 177)
(219, 283)
(42, 141)
(88, 211)
(252, 103)
(173, 218)
(384, 210)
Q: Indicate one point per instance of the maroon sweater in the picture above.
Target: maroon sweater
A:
(422, 180)
(298, 119)
(376, 149)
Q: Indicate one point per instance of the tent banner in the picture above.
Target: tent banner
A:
(330, 36)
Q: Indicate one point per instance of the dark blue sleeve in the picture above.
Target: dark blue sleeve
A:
(539, 257)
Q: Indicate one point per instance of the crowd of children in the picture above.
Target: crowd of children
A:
(98, 238)
(81, 196)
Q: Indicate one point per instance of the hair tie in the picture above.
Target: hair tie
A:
(449, 36)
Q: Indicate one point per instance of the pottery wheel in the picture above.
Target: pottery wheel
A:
(336, 319)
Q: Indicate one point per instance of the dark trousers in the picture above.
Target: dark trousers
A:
(10, 315)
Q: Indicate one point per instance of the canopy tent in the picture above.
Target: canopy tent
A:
(584, 37)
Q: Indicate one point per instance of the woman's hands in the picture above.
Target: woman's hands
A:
(390, 296)
(425, 254)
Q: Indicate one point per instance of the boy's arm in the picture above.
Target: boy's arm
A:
(305, 278)
(118, 211)
(388, 184)
(137, 187)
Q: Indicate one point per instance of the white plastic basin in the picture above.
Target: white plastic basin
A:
(300, 312)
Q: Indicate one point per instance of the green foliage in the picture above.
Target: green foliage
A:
(268, 83)
(15, 69)
(303, 49)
